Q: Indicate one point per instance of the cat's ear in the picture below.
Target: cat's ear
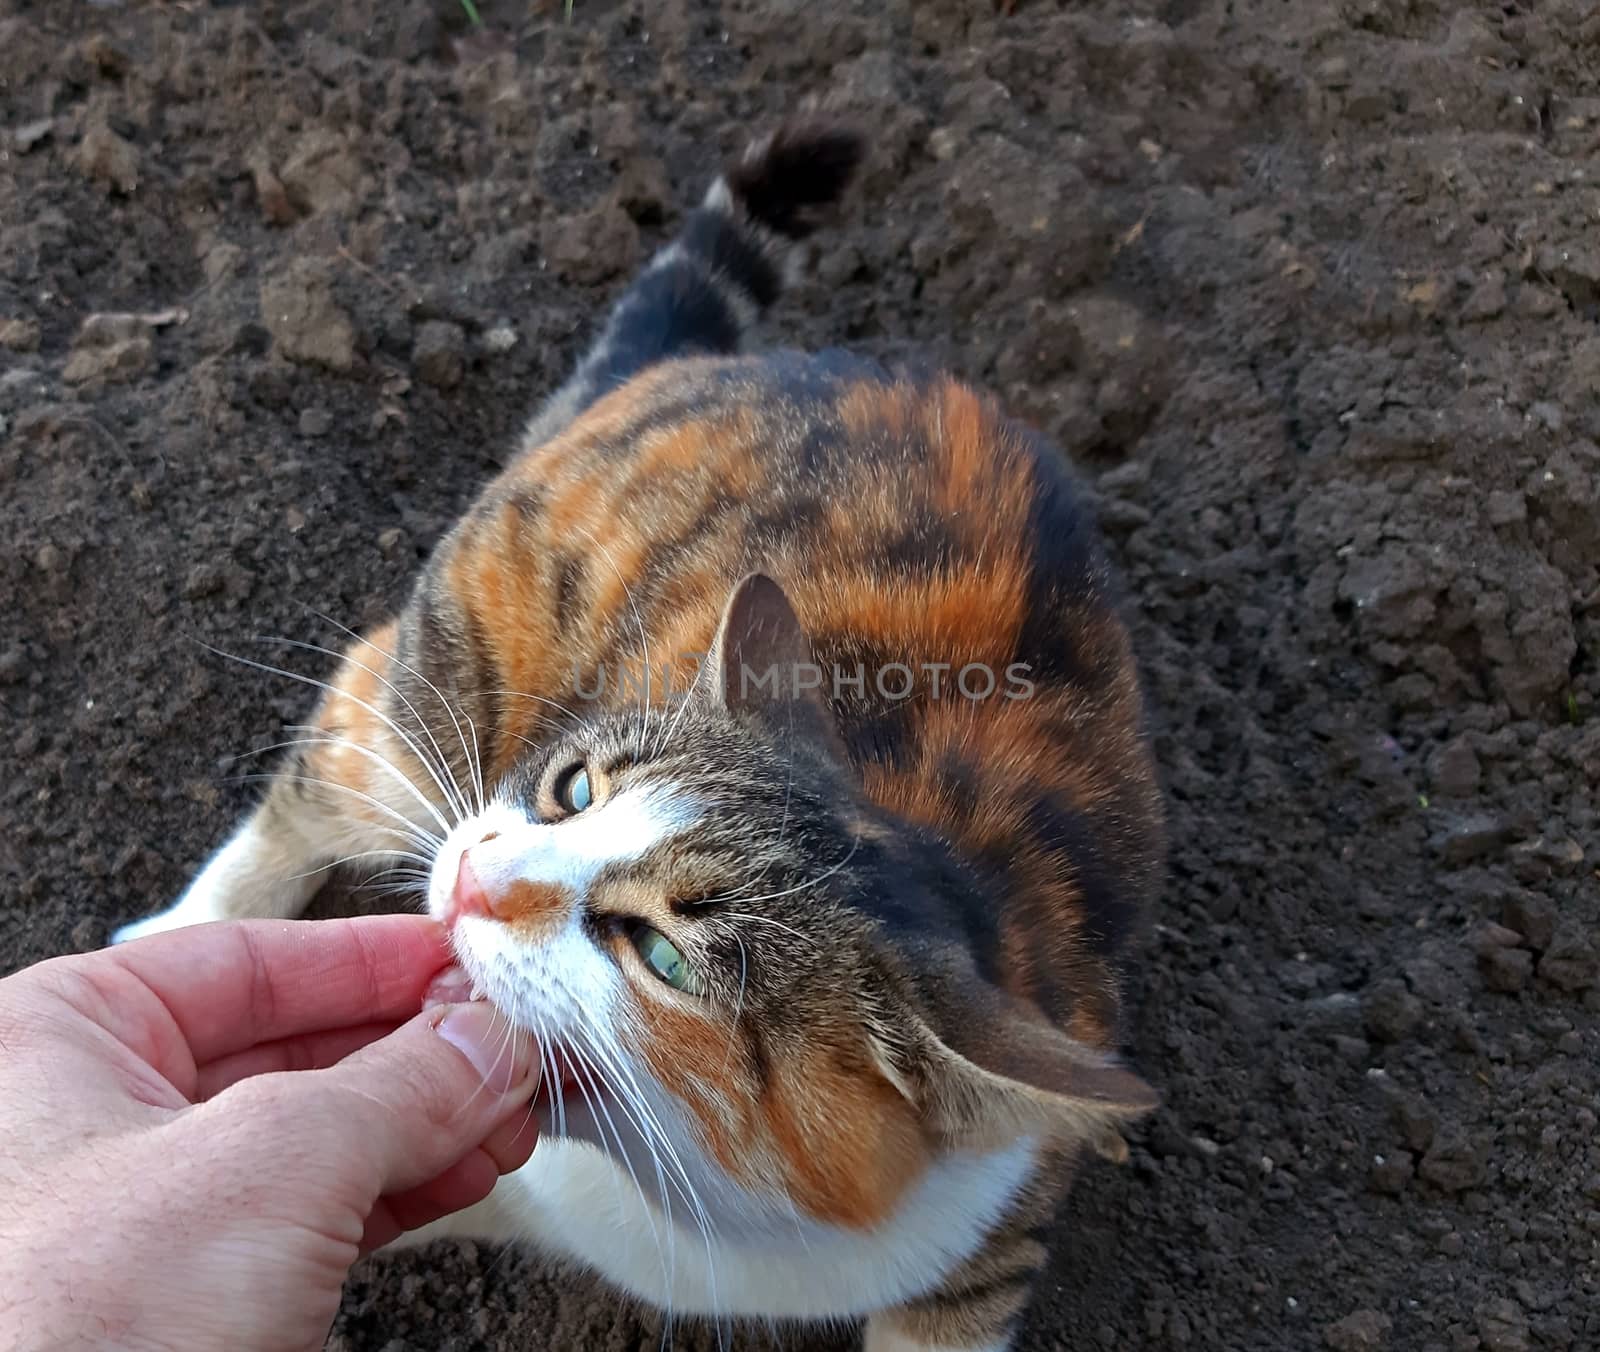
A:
(1001, 1072)
(762, 662)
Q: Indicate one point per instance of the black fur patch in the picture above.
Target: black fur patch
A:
(687, 304)
(1108, 915)
(672, 311)
(805, 165)
(725, 246)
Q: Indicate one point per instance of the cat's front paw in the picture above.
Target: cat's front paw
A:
(180, 916)
(254, 874)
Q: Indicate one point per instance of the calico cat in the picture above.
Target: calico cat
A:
(768, 740)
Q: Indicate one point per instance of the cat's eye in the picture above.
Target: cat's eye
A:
(573, 791)
(662, 957)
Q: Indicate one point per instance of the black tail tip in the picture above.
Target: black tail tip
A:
(784, 178)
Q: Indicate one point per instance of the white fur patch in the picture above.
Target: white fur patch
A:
(568, 853)
(577, 1202)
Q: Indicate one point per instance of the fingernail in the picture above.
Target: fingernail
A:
(478, 1032)
(452, 986)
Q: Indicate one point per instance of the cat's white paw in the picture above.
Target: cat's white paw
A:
(181, 916)
(254, 874)
(211, 895)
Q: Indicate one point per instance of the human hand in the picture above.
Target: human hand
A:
(201, 1131)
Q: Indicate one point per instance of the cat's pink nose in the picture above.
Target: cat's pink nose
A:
(468, 896)
(526, 904)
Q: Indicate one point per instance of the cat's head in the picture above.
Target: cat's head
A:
(743, 972)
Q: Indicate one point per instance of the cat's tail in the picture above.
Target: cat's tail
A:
(702, 293)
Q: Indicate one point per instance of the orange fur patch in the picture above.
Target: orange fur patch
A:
(352, 718)
(699, 1062)
(528, 906)
(671, 450)
(924, 618)
(839, 1141)
(983, 479)
(868, 410)
(849, 1142)
(577, 503)
(508, 603)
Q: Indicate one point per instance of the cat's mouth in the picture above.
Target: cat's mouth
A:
(575, 1099)
(564, 1072)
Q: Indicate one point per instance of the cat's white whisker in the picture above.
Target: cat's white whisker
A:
(444, 761)
(407, 830)
(539, 699)
(667, 1252)
(684, 705)
(451, 791)
(587, 1075)
(399, 871)
(798, 887)
(788, 794)
(554, 1086)
(362, 854)
(396, 889)
(526, 741)
(738, 1002)
(585, 1071)
(320, 737)
(634, 1101)
(439, 695)
(764, 920)
(627, 1085)
(477, 761)
(337, 693)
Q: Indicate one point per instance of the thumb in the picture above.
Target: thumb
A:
(404, 1109)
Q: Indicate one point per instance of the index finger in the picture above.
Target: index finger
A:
(230, 985)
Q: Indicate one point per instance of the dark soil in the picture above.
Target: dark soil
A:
(1312, 292)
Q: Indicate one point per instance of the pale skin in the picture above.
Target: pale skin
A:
(201, 1131)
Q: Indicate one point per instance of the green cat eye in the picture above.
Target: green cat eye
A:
(574, 793)
(661, 956)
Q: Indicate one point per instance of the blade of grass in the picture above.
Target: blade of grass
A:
(473, 17)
